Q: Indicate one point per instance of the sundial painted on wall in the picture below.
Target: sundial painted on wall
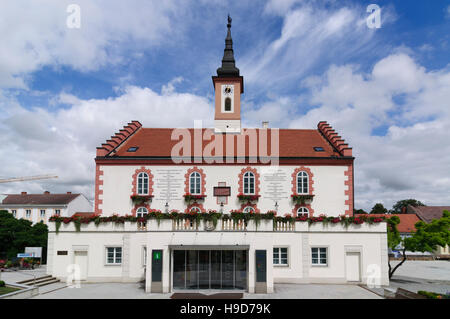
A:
(168, 184)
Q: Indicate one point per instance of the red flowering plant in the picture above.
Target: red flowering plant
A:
(300, 199)
(188, 197)
(247, 198)
(270, 214)
(140, 199)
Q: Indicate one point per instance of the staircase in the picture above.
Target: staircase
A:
(39, 281)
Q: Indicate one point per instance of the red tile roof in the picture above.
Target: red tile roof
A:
(39, 199)
(407, 221)
(428, 213)
(80, 214)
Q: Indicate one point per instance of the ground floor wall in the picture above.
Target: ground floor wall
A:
(291, 257)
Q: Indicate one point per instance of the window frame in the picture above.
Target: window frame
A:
(14, 212)
(249, 176)
(26, 213)
(302, 207)
(114, 263)
(40, 213)
(197, 177)
(141, 212)
(320, 264)
(305, 176)
(279, 264)
(145, 179)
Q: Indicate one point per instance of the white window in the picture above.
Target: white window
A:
(249, 183)
(195, 209)
(57, 212)
(280, 256)
(142, 184)
(195, 183)
(319, 256)
(28, 213)
(141, 212)
(14, 212)
(249, 210)
(302, 210)
(42, 213)
(302, 183)
(113, 255)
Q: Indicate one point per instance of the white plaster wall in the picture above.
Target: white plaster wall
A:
(35, 212)
(79, 204)
(329, 188)
(370, 239)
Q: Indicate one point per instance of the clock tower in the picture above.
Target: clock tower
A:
(228, 86)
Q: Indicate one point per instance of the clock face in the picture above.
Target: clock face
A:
(228, 90)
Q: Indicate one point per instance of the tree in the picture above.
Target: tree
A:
(358, 211)
(397, 208)
(426, 238)
(16, 234)
(378, 208)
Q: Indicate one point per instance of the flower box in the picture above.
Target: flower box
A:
(140, 199)
(190, 197)
(301, 199)
(248, 198)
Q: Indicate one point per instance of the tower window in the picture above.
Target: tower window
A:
(227, 104)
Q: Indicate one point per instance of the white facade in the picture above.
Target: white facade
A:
(356, 254)
(328, 184)
(38, 213)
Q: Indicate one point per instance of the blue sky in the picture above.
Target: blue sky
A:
(302, 61)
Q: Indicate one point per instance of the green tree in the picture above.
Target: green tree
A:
(378, 208)
(427, 237)
(397, 208)
(359, 211)
(16, 234)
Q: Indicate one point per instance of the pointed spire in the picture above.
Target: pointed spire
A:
(228, 68)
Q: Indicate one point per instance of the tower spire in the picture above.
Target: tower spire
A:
(228, 68)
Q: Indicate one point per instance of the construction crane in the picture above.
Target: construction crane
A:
(27, 178)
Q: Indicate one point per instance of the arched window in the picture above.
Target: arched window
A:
(195, 183)
(249, 183)
(141, 212)
(302, 210)
(142, 183)
(302, 183)
(228, 104)
(249, 210)
(195, 209)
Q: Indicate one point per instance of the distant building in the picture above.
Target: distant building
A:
(427, 214)
(39, 207)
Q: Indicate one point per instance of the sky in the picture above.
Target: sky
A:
(66, 88)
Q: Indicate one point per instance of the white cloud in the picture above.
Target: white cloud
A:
(35, 34)
(63, 142)
(409, 160)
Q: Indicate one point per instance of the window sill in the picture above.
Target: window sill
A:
(315, 265)
(113, 265)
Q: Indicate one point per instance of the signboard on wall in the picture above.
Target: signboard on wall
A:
(36, 251)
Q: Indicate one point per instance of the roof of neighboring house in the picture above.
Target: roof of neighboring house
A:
(38, 199)
(158, 142)
(428, 213)
(407, 221)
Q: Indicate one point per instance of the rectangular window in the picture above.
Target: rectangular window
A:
(42, 212)
(57, 212)
(28, 213)
(113, 255)
(280, 256)
(14, 212)
(319, 256)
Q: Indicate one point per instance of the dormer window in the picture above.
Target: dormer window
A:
(133, 149)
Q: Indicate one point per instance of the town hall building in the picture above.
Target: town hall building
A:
(222, 208)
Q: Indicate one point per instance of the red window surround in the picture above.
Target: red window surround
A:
(241, 180)
(137, 206)
(310, 180)
(349, 193)
(308, 206)
(202, 176)
(150, 180)
(190, 206)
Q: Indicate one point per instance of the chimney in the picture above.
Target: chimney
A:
(69, 193)
(265, 124)
(46, 192)
(24, 193)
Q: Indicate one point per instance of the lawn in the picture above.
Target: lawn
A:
(7, 290)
